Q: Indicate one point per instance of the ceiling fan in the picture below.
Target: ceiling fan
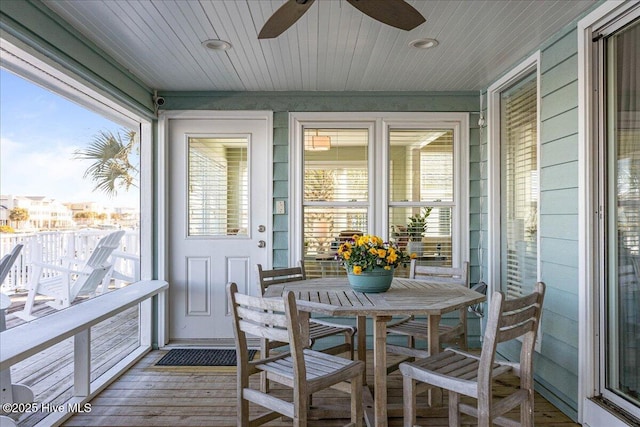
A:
(396, 13)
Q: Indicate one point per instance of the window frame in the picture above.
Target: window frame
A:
(607, 17)
(378, 160)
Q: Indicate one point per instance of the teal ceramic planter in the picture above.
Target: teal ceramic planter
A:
(376, 281)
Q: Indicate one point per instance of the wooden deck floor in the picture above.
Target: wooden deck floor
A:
(149, 395)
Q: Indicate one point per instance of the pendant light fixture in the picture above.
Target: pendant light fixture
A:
(318, 142)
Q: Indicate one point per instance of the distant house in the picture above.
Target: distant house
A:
(44, 213)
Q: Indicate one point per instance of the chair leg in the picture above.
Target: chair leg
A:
(356, 401)
(301, 410)
(484, 416)
(409, 401)
(264, 353)
(526, 411)
(463, 341)
(454, 410)
(348, 338)
(242, 403)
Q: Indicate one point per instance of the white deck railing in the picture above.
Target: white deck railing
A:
(52, 246)
(21, 342)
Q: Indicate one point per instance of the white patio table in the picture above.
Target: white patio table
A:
(334, 297)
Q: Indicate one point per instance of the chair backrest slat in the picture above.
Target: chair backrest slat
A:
(453, 275)
(260, 316)
(104, 249)
(280, 275)
(272, 304)
(507, 334)
(519, 303)
(263, 331)
(513, 318)
(87, 284)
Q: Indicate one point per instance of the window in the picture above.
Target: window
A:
(519, 186)
(336, 201)
(513, 104)
(53, 116)
(421, 192)
(369, 174)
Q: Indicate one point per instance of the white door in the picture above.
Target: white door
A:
(218, 223)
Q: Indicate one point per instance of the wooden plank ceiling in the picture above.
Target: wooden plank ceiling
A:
(333, 47)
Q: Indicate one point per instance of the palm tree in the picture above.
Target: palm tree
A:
(18, 215)
(112, 167)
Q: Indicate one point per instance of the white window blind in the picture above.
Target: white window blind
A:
(519, 186)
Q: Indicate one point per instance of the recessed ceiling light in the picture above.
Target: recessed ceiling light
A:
(215, 44)
(424, 43)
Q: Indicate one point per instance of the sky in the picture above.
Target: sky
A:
(39, 132)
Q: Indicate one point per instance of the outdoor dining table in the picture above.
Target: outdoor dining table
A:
(334, 297)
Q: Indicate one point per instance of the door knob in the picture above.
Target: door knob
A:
(262, 228)
(262, 244)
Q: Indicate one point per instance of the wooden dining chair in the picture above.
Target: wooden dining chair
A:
(467, 374)
(415, 329)
(301, 369)
(317, 328)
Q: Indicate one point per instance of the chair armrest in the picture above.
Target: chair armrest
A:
(125, 255)
(60, 269)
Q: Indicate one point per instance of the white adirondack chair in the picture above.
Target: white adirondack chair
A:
(65, 283)
(9, 392)
(7, 261)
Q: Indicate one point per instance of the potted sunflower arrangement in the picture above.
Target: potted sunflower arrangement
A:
(370, 262)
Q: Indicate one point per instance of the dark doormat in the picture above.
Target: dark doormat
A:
(200, 357)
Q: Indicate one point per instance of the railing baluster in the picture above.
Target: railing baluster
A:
(82, 363)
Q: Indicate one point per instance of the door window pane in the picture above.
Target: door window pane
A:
(218, 187)
(519, 186)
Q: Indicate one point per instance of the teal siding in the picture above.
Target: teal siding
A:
(478, 202)
(560, 151)
(281, 188)
(322, 101)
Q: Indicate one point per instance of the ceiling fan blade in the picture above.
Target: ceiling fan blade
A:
(283, 18)
(396, 13)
